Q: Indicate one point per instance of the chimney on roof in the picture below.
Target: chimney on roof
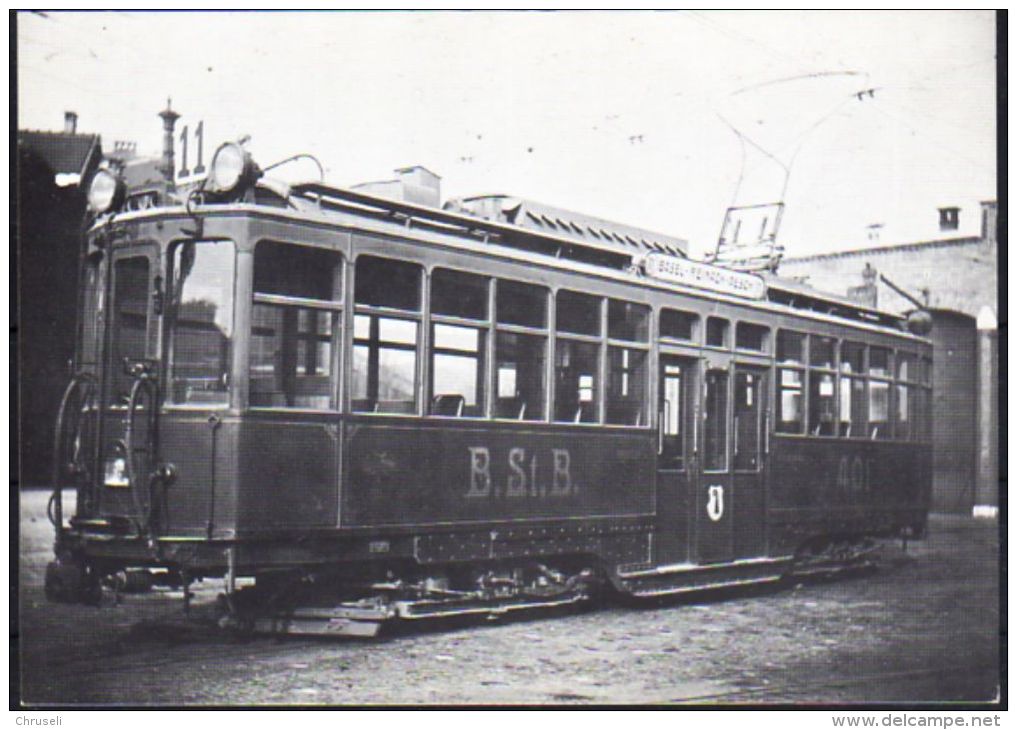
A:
(70, 122)
(169, 120)
(949, 219)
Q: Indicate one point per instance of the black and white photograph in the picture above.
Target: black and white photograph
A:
(500, 359)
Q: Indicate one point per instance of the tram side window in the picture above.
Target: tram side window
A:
(715, 421)
(905, 396)
(627, 396)
(751, 337)
(520, 351)
(458, 349)
(201, 322)
(577, 365)
(294, 326)
(790, 382)
(130, 320)
(879, 393)
(822, 386)
(627, 321)
(678, 325)
(521, 365)
(385, 341)
(852, 391)
(578, 314)
(716, 332)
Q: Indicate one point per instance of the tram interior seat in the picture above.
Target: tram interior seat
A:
(511, 408)
(448, 404)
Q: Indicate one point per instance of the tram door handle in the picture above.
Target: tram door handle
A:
(766, 434)
(661, 419)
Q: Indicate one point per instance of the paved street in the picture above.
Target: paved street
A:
(923, 628)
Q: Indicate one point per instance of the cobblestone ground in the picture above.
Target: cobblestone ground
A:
(924, 628)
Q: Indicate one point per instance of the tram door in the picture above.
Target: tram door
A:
(676, 459)
(714, 500)
(748, 457)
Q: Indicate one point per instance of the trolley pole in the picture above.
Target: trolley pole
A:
(987, 481)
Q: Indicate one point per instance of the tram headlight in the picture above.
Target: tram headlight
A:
(231, 169)
(105, 192)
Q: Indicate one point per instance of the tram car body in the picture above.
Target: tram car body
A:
(296, 380)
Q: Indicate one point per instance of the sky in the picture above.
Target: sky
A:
(656, 119)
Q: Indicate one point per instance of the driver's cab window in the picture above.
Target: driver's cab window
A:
(295, 326)
(201, 322)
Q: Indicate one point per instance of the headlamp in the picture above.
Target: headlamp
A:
(105, 192)
(231, 169)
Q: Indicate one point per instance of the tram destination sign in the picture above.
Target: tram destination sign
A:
(704, 276)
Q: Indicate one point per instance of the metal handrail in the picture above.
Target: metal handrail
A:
(54, 508)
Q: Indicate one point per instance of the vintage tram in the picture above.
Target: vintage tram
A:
(463, 409)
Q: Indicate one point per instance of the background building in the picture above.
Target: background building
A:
(954, 277)
(53, 169)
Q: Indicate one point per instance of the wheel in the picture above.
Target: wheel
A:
(64, 581)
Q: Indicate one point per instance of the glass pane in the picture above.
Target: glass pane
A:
(751, 336)
(822, 401)
(790, 347)
(396, 371)
(748, 409)
(716, 332)
(852, 357)
(852, 407)
(821, 351)
(672, 400)
(627, 398)
(879, 361)
(879, 410)
(903, 426)
(94, 309)
(457, 371)
(906, 367)
(297, 271)
(401, 331)
(520, 376)
(201, 319)
(458, 294)
(628, 321)
(384, 364)
(578, 314)
(291, 360)
(715, 421)
(388, 283)
(789, 401)
(130, 321)
(678, 325)
(576, 368)
(522, 304)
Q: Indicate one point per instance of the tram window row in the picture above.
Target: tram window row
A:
(493, 345)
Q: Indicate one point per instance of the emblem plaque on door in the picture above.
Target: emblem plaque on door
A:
(715, 504)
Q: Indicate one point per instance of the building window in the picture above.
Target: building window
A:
(294, 326)
(385, 344)
(201, 322)
(716, 332)
(678, 325)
